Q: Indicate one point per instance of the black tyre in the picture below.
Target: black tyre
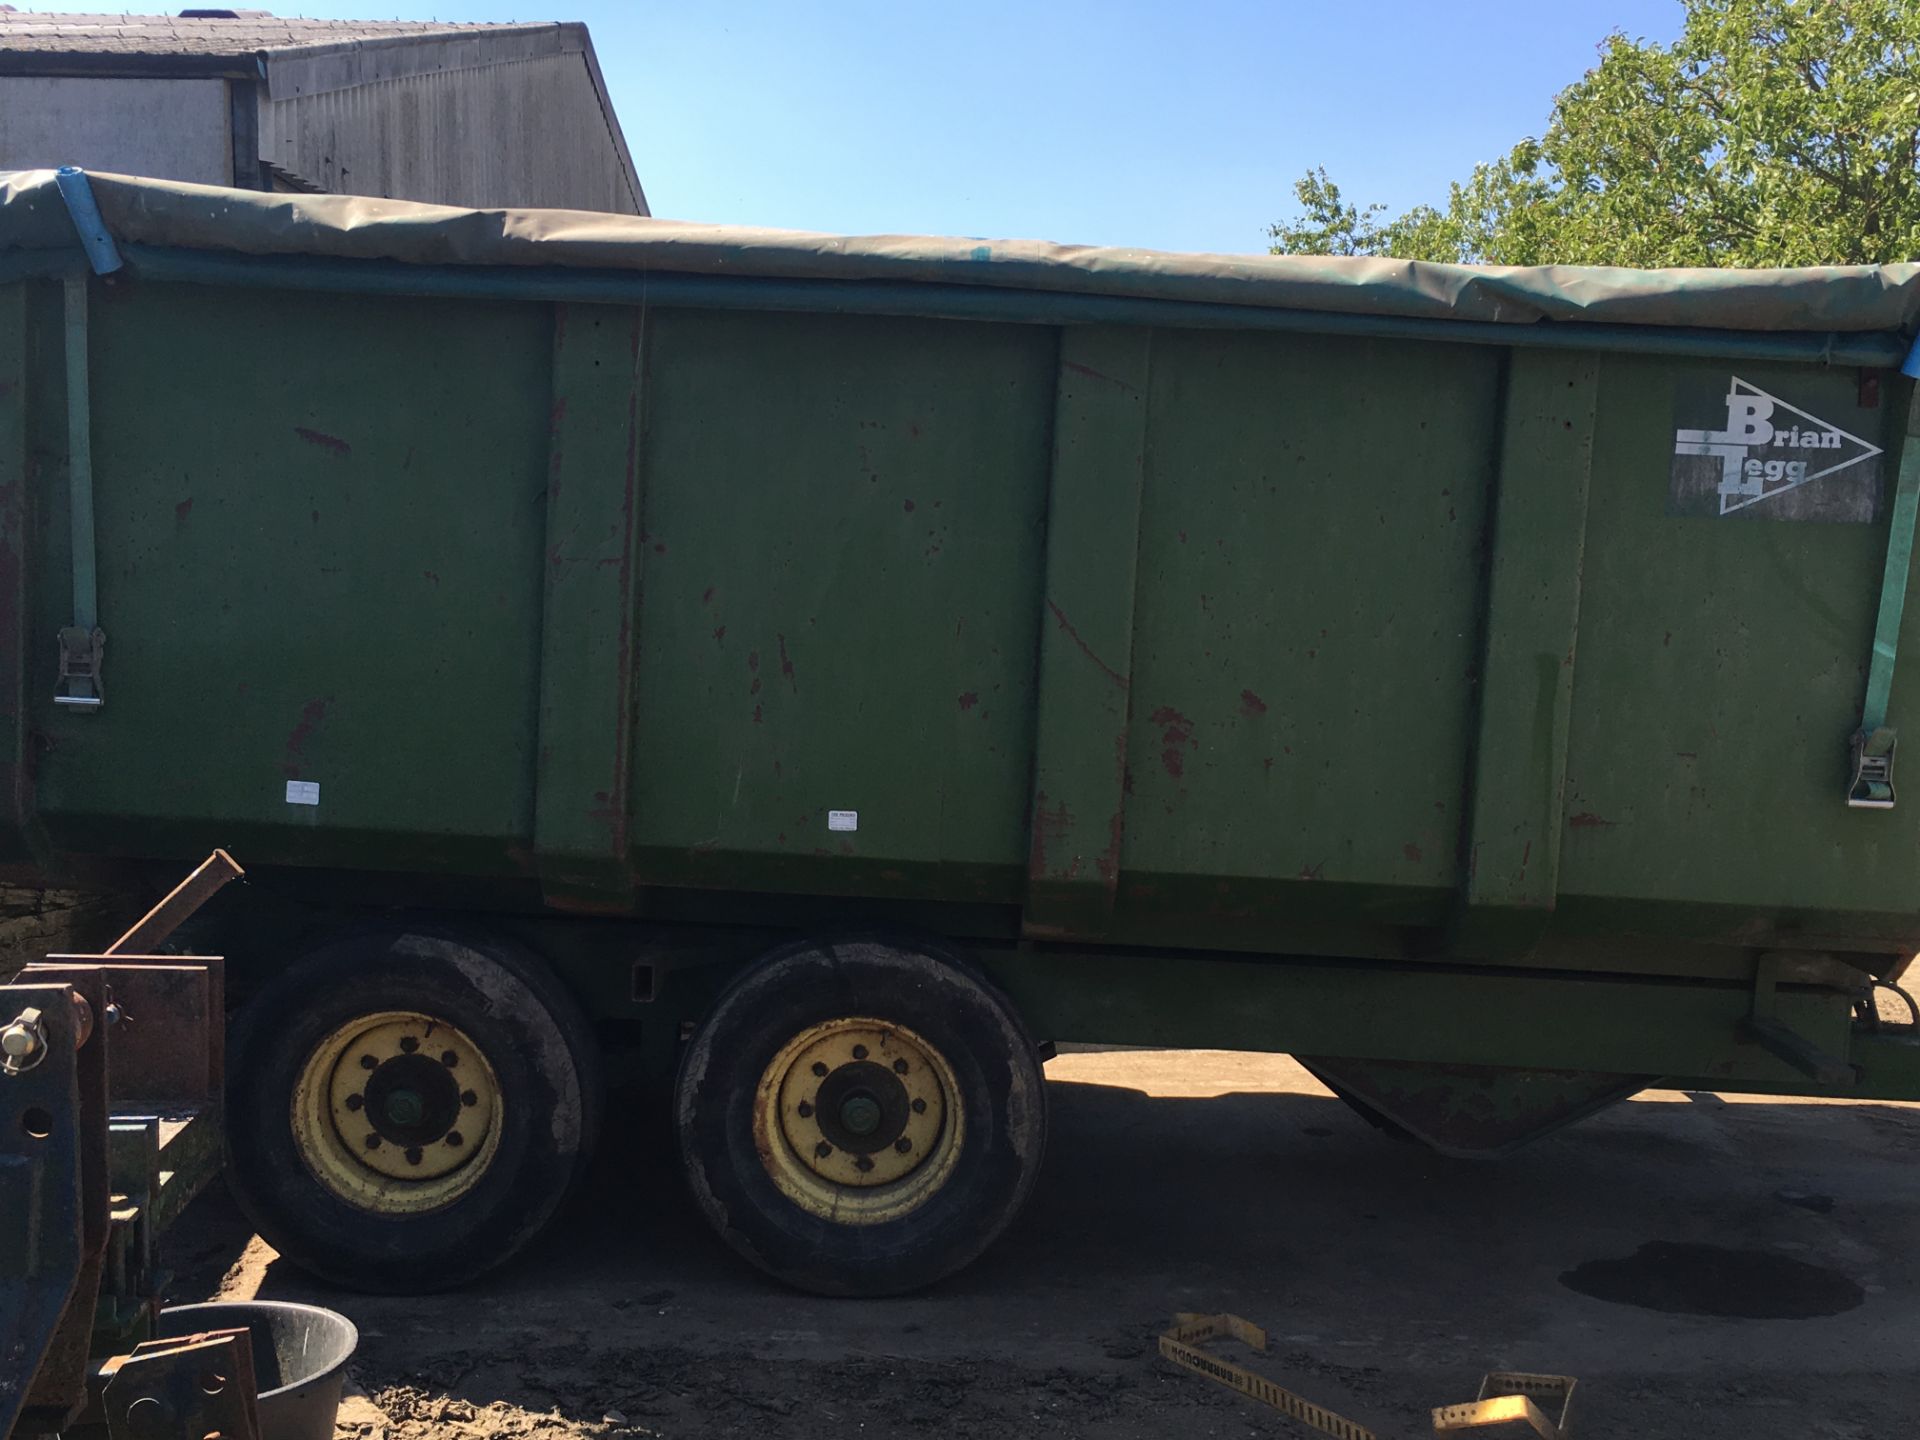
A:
(407, 1108)
(861, 1117)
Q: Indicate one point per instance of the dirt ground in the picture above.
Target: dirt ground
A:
(1388, 1278)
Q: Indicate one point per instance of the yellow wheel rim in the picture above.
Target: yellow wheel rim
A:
(858, 1120)
(397, 1113)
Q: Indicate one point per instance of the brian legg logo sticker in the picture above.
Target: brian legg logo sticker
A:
(1768, 449)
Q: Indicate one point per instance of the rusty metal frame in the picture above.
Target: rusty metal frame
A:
(197, 1385)
(164, 1018)
(151, 930)
(169, 1026)
(53, 1153)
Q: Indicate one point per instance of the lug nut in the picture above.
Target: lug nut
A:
(863, 1163)
(903, 1145)
(373, 1142)
(449, 1059)
(413, 1155)
(823, 1150)
(859, 1052)
(469, 1099)
(354, 1102)
(919, 1107)
(408, 1044)
(805, 1109)
(899, 1067)
(819, 1068)
(456, 1139)
(367, 1062)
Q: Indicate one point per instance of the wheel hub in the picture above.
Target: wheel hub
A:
(411, 1100)
(862, 1107)
(397, 1112)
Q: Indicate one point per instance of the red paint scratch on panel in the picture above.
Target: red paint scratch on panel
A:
(1094, 374)
(1589, 821)
(1049, 825)
(1252, 704)
(786, 665)
(312, 714)
(323, 440)
(1085, 649)
(1175, 736)
(969, 699)
(183, 510)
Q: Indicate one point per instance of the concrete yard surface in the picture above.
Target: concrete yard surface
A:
(1389, 1279)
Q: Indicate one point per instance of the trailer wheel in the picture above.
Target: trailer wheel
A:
(407, 1109)
(861, 1117)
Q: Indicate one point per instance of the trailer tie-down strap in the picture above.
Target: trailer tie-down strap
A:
(83, 643)
(1872, 745)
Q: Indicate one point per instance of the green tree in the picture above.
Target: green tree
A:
(1772, 132)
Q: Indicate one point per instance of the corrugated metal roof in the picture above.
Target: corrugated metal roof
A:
(169, 35)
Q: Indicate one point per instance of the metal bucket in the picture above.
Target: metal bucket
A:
(300, 1355)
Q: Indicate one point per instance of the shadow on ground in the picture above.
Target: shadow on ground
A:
(1390, 1278)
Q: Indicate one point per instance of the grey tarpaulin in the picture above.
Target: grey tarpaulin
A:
(201, 217)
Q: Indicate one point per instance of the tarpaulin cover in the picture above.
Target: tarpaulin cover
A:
(247, 222)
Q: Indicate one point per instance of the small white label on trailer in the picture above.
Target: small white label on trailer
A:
(303, 792)
(843, 819)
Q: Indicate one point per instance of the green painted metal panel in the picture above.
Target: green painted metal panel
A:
(1514, 820)
(592, 572)
(843, 545)
(792, 620)
(1427, 1014)
(1722, 663)
(1310, 560)
(1086, 645)
(319, 523)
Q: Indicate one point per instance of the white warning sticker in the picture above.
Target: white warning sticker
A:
(843, 819)
(303, 792)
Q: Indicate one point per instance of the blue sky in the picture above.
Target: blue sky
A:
(1179, 125)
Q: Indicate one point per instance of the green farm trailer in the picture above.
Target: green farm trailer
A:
(827, 673)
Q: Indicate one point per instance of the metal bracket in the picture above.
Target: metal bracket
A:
(196, 1385)
(53, 1167)
(1872, 785)
(1782, 1041)
(81, 653)
(1509, 1395)
(1182, 1343)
